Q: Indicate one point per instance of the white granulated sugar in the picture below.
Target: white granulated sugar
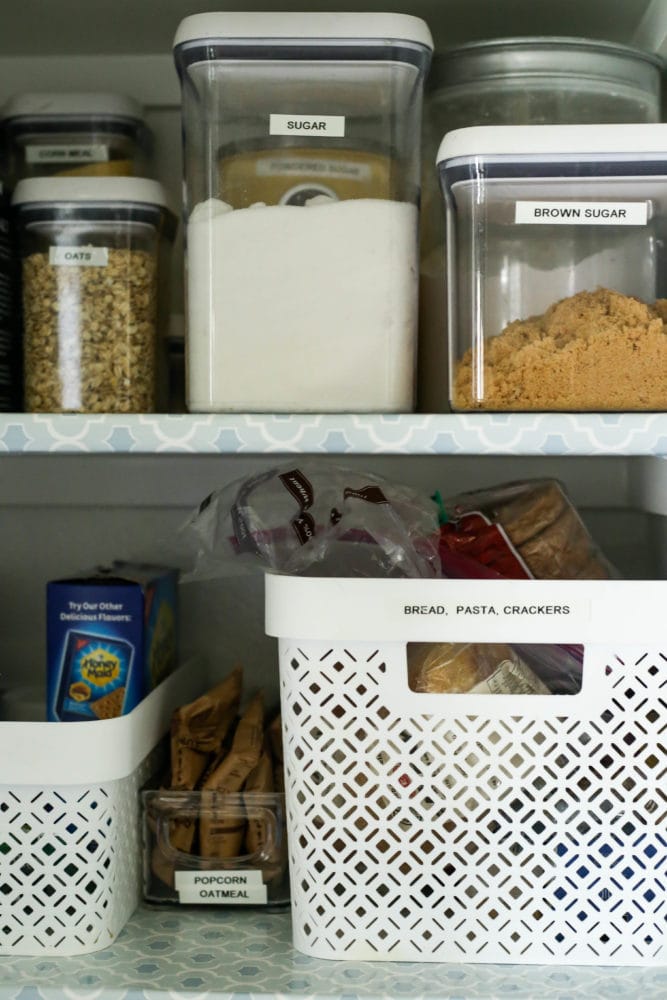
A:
(302, 308)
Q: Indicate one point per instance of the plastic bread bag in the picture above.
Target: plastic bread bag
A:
(493, 668)
(313, 518)
(519, 530)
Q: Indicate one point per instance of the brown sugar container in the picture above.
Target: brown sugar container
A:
(526, 80)
(555, 277)
(91, 250)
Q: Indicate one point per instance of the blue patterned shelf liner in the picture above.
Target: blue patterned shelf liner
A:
(444, 434)
(217, 954)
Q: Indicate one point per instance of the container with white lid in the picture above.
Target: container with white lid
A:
(529, 80)
(92, 251)
(74, 134)
(303, 296)
(556, 275)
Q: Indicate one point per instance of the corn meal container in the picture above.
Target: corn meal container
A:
(555, 267)
(74, 134)
(302, 176)
(92, 251)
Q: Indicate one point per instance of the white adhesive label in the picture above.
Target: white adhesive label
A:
(97, 153)
(78, 256)
(581, 213)
(323, 125)
(236, 888)
(511, 678)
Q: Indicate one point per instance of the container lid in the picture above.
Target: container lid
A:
(560, 56)
(51, 190)
(551, 140)
(84, 104)
(314, 26)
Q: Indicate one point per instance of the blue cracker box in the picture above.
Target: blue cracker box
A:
(111, 638)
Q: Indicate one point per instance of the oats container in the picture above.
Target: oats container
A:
(92, 251)
(74, 134)
(302, 177)
(556, 280)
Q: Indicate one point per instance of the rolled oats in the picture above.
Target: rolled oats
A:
(90, 334)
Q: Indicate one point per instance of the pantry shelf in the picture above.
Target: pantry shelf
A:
(414, 434)
(227, 953)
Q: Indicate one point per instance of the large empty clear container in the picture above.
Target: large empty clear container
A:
(302, 175)
(556, 267)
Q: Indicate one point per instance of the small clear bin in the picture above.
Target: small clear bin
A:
(556, 267)
(94, 134)
(248, 864)
(302, 176)
(93, 251)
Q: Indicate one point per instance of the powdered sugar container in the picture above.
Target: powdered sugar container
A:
(555, 267)
(304, 300)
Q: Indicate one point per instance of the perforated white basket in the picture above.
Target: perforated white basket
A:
(70, 852)
(474, 828)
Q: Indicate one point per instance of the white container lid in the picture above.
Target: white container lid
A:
(52, 190)
(553, 140)
(314, 26)
(84, 104)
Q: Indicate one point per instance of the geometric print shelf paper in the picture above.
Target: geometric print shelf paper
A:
(405, 433)
(457, 838)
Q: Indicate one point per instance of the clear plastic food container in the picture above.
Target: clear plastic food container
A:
(555, 267)
(515, 81)
(74, 134)
(302, 293)
(542, 80)
(10, 379)
(249, 866)
(92, 251)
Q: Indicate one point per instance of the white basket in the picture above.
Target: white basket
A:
(70, 852)
(470, 828)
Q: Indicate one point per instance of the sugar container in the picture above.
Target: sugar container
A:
(92, 251)
(555, 267)
(302, 295)
(76, 134)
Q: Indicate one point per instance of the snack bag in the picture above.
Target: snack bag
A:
(221, 836)
(519, 530)
(477, 668)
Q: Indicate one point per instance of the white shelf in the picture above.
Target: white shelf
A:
(237, 954)
(547, 434)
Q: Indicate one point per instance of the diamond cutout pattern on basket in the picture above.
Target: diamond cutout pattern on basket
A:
(472, 838)
(69, 864)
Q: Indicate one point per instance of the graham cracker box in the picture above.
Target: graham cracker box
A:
(111, 638)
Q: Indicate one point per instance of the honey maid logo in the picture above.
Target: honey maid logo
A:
(100, 666)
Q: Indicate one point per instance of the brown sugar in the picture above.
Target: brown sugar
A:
(596, 350)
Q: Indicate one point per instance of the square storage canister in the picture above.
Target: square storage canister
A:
(302, 173)
(556, 267)
(517, 828)
(93, 265)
